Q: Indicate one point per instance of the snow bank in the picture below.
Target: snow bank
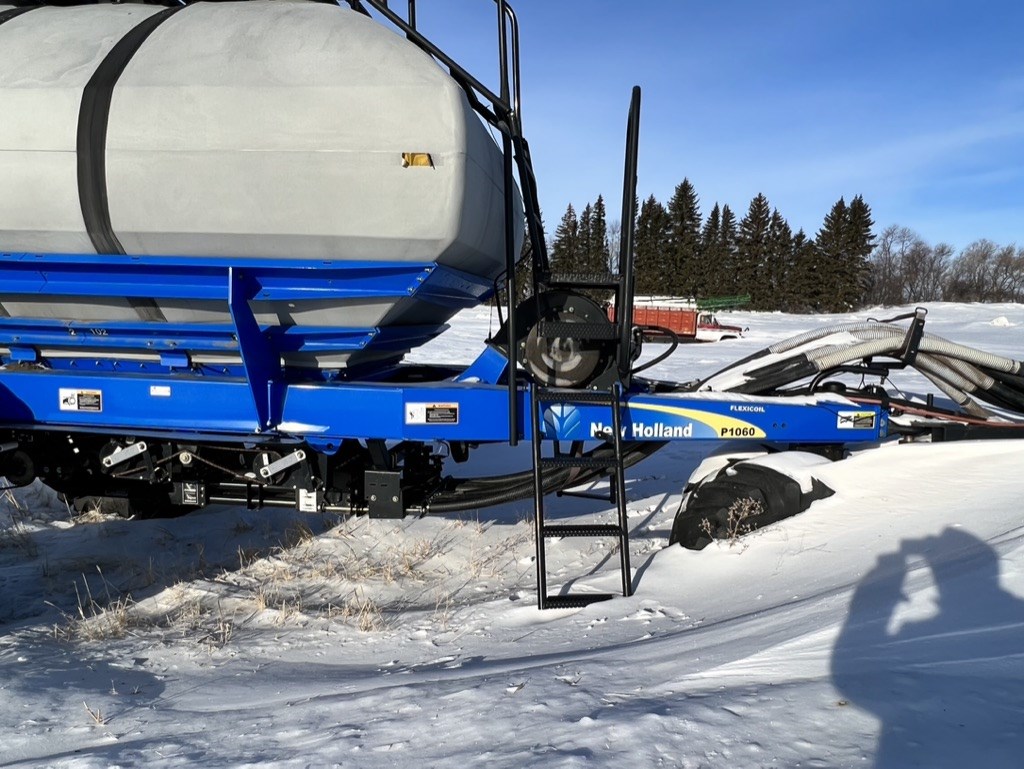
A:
(882, 627)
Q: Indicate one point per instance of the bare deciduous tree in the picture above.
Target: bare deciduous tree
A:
(904, 268)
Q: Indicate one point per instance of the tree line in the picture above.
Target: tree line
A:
(680, 253)
(906, 269)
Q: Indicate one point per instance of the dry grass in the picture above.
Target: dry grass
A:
(190, 614)
(297, 534)
(96, 715)
(443, 609)
(94, 620)
(361, 573)
(338, 559)
(17, 534)
(363, 613)
(222, 632)
(739, 521)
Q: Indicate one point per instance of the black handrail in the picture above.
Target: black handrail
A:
(504, 115)
(624, 314)
(513, 25)
(500, 106)
(510, 229)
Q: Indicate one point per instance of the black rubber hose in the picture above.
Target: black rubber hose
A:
(452, 501)
(1016, 381)
(752, 357)
(1014, 400)
(770, 378)
(673, 344)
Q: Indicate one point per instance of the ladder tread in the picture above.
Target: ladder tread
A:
(597, 463)
(582, 530)
(567, 395)
(611, 463)
(574, 600)
(577, 330)
(584, 279)
(587, 495)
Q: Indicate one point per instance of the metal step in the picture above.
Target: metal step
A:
(563, 395)
(582, 530)
(596, 463)
(611, 463)
(584, 280)
(551, 329)
(573, 601)
(587, 495)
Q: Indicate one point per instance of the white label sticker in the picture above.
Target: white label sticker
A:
(855, 420)
(309, 501)
(160, 391)
(190, 493)
(431, 413)
(80, 400)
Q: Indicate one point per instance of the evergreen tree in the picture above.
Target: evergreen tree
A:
(565, 247)
(805, 292)
(860, 242)
(840, 291)
(650, 248)
(752, 269)
(711, 232)
(584, 238)
(728, 239)
(684, 241)
(711, 254)
(779, 262)
(597, 257)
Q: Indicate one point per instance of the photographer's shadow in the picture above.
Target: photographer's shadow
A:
(949, 689)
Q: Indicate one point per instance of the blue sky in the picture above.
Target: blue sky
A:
(918, 106)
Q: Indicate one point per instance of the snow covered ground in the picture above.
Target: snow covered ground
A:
(884, 627)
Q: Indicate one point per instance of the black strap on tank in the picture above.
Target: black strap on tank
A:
(92, 132)
(13, 13)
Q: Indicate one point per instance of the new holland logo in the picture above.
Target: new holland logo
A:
(562, 419)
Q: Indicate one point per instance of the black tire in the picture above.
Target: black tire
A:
(738, 500)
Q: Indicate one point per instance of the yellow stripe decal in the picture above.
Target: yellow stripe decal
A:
(721, 424)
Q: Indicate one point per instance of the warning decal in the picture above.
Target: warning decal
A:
(80, 400)
(431, 413)
(190, 493)
(855, 420)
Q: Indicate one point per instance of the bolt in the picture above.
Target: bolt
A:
(373, 497)
(394, 499)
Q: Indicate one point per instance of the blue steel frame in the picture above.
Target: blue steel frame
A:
(261, 400)
(322, 414)
(235, 283)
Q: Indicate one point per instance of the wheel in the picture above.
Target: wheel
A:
(743, 497)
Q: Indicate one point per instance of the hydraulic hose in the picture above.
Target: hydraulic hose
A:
(961, 373)
(465, 496)
(819, 333)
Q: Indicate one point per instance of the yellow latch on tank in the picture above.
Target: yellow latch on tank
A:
(421, 159)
